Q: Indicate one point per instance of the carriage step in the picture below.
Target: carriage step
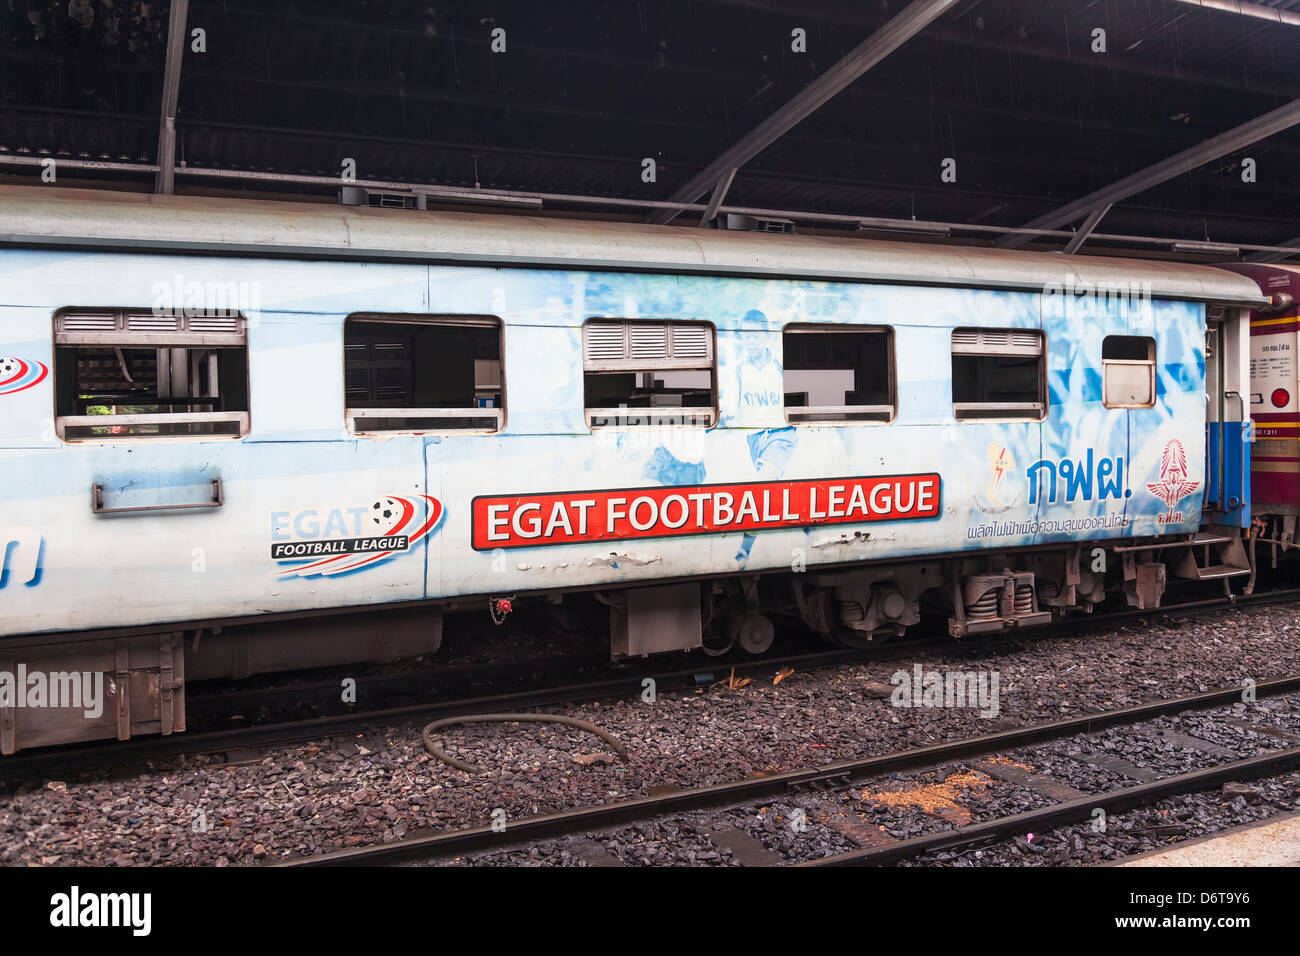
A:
(1216, 571)
(1206, 537)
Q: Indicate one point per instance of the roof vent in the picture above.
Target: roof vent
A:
(381, 198)
(757, 223)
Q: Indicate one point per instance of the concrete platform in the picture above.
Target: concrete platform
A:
(1271, 842)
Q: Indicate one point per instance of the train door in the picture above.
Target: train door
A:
(1213, 419)
(1227, 420)
(463, 407)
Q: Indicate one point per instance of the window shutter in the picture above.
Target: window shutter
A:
(996, 342)
(121, 328)
(86, 322)
(621, 344)
(647, 343)
(692, 342)
(604, 342)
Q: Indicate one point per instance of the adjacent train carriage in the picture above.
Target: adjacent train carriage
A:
(1275, 404)
(242, 436)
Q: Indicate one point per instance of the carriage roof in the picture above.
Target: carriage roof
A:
(87, 218)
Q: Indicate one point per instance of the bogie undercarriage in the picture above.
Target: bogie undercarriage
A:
(145, 672)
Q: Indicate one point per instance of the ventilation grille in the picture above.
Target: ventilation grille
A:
(87, 322)
(125, 328)
(381, 198)
(153, 323)
(215, 323)
(997, 342)
(634, 344)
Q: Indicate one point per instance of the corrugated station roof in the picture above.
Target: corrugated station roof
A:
(586, 90)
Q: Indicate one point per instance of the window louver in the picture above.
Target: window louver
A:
(215, 323)
(618, 344)
(604, 342)
(692, 342)
(122, 328)
(87, 322)
(996, 342)
(153, 323)
(648, 342)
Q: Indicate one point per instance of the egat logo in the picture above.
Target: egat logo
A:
(1001, 464)
(339, 540)
(17, 375)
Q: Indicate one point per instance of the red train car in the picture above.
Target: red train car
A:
(1275, 402)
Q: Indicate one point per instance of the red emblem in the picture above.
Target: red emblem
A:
(1173, 485)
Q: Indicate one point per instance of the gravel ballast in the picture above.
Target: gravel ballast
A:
(381, 785)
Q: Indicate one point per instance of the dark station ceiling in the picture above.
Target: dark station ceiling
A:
(587, 89)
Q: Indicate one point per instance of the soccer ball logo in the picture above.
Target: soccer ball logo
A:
(385, 513)
(17, 375)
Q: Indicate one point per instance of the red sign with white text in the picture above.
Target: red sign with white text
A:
(522, 521)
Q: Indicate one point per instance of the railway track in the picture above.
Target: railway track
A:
(531, 830)
(1070, 811)
(123, 755)
(79, 758)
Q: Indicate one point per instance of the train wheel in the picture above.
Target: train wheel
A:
(715, 645)
(752, 631)
(756, 633)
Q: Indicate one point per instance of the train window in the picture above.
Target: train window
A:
(999, 374)
(640, 372)
(1128, 371)
(422, 373)
(122, 374)
(838, 374)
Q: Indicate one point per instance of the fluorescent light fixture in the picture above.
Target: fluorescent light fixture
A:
(479, 197)
(911, 227)
(1212, 248)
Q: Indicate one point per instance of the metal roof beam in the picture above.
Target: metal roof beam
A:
(1086, 229)
(1260, 12)
(912, 20)
(165, 181)
(715, 200)
(1006, 45)
(455, 195)
(1270, 257)
(1274, 121)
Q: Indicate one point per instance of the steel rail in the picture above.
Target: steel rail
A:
(103, 754)
(741, 792)
(97, 755)
(1076, 810)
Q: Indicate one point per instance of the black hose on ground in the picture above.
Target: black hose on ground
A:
(433, 748)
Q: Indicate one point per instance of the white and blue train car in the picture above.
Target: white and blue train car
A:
(241, 435)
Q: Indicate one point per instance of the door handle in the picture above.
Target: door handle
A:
(97, 502)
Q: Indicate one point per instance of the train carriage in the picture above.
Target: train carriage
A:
(1275, 404)
(242, 436)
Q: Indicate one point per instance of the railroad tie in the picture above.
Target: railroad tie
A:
(592, 852)
(744, 848)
